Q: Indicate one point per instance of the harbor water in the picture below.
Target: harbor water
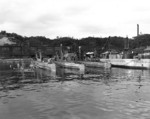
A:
(32, 93)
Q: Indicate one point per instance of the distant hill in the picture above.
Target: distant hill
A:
(88, 44)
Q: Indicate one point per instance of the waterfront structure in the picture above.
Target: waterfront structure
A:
(96, 64)
(140, 61)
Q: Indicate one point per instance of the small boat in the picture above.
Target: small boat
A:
(71, 65)
(67, 60)
(45, 65)
(65, 71)
(129, 63)
(48, 65)
(41, 72)
(96, 64)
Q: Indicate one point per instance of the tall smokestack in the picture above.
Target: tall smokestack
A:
(137, 29)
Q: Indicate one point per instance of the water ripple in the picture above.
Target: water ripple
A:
(106, 94)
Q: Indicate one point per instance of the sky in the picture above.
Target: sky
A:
(75, 18)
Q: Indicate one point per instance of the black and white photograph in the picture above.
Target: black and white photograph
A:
(74, 59)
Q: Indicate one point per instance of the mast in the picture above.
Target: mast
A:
(137, 29)
(138, 35)
(126, 47)
(79, 52)
(61, 52)
(40, 54)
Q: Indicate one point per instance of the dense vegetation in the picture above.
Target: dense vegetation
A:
(88, 44)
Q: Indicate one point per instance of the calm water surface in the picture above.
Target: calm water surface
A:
(28, 93)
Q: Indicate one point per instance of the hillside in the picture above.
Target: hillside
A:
(87, 44)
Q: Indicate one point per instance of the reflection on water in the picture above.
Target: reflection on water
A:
(29, 93)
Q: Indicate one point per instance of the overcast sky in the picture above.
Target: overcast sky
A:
(75, 18)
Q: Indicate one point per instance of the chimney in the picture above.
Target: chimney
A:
(137, 29)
